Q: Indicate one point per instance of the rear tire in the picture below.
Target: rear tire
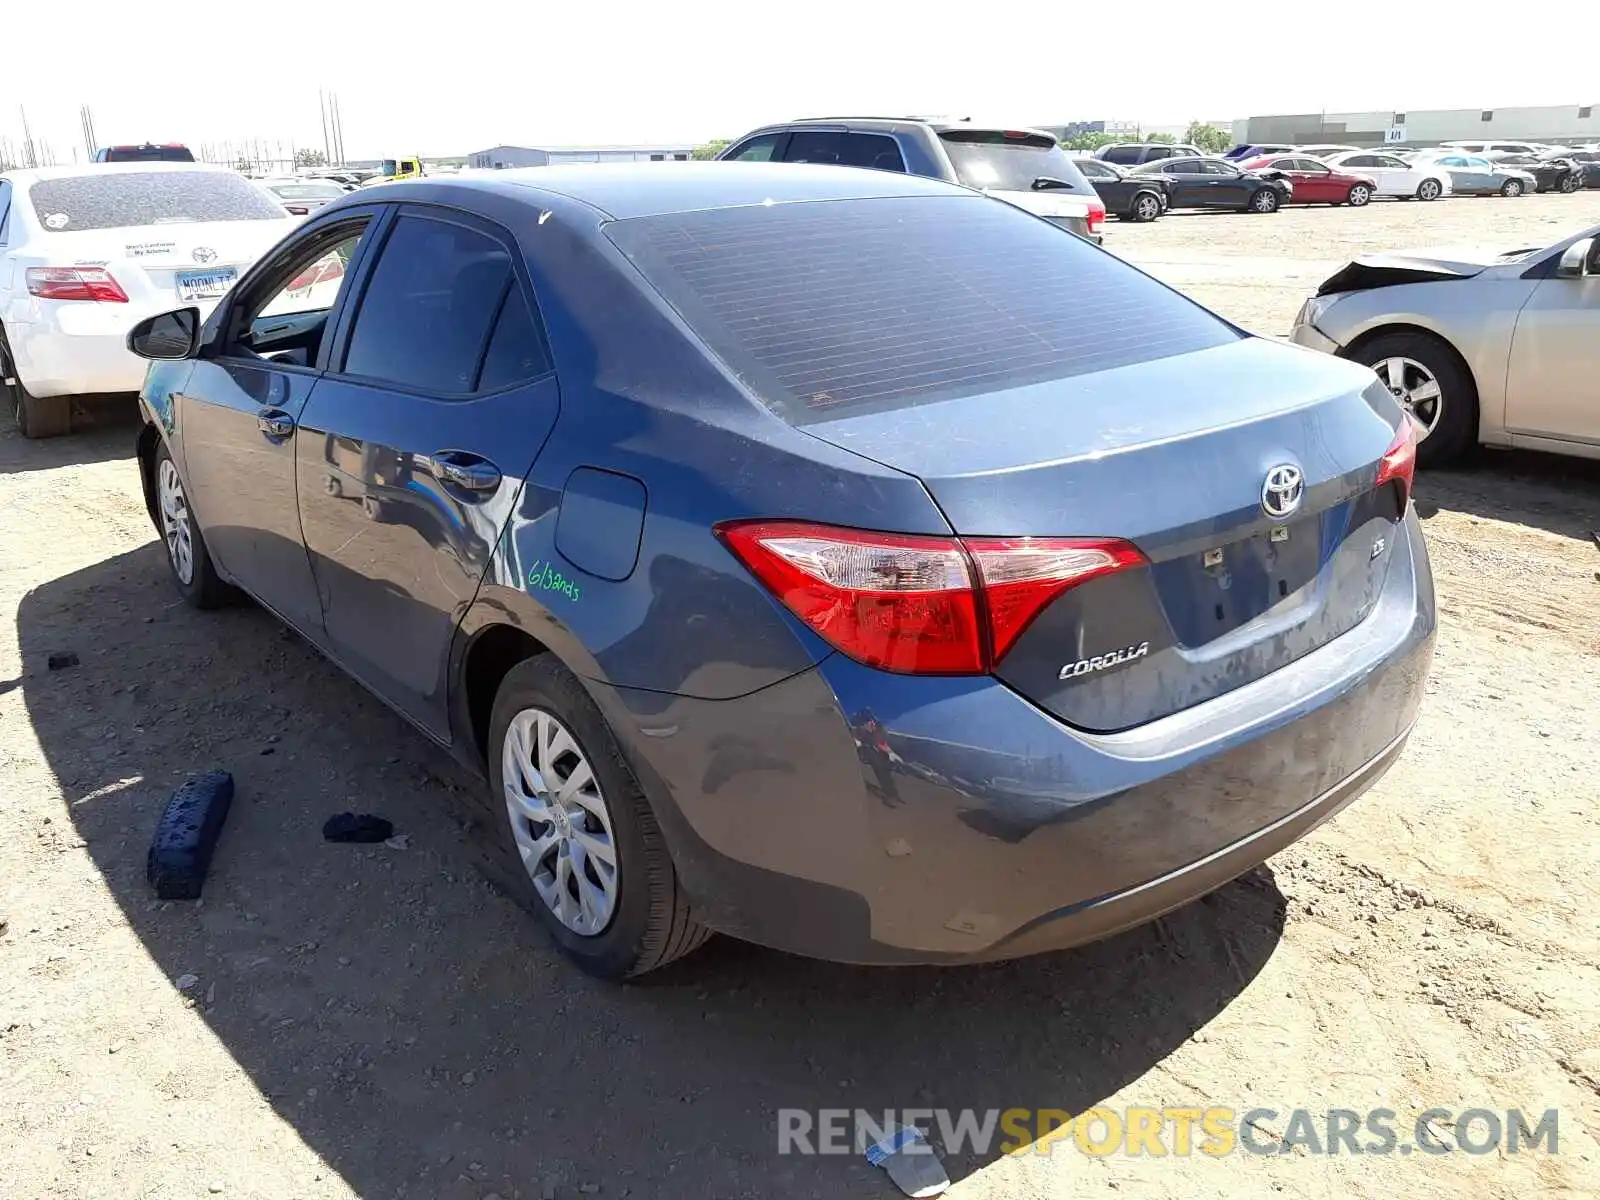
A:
(649, 923)
(1360, 195)
(1456, 430)
(1429, 189)
(1146, 207)
(37, 416)
(1511, 189)
(1264, 200)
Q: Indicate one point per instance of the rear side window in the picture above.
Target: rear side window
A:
(118, 200)
(428, 308)
(828, 309)
(516, 348)
(1126, 155)
(872, 150)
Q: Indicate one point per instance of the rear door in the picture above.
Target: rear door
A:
(239, 412)
(1228, 186)
(414, 447)
(1189, 187)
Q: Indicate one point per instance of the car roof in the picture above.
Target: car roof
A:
(25, 175)
(626, 190)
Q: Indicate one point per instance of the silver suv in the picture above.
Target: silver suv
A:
(1024, 167)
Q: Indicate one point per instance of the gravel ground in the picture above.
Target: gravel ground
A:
(381, 1022)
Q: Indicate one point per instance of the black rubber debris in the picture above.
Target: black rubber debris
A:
(348, 827)
(186, 836)
(60, 662)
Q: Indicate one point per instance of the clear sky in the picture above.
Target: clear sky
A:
(448, 78)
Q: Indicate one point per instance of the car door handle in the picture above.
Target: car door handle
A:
(467, 471)
(275, 423)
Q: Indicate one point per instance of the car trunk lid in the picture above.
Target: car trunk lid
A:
(1172, 455)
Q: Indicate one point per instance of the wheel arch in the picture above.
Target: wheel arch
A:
(1368, 336)
(145, 451)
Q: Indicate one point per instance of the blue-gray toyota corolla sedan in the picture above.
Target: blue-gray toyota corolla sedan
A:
(841, 560)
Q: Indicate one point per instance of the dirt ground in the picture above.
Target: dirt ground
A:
(382, 1022)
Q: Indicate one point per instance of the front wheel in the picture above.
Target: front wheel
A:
(1571, 182)
(1146, 207)
(1265, 200)
(1429, 189)
(1432, 383)
(187, 557)
(1360, 195)
(595, 867)
(1511, 188)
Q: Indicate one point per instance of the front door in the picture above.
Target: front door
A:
(1552, 388)
(239, 412)
(414, 446)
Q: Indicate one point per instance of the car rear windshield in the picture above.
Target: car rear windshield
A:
(845, 307)
(122, 200)
(1010, 161)
(118, 154)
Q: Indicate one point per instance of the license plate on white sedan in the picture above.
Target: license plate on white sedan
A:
(205, 285)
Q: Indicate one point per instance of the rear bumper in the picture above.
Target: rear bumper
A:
(76, 348)
(850, 814)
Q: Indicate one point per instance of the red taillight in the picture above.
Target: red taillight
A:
(1399, 461)
(1021, 576)
(75, 283)
(1097, 215)
(912, 604)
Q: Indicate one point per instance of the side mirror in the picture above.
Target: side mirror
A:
(1578, 259)
(168, 336)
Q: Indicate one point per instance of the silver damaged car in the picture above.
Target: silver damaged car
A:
(1487, 347)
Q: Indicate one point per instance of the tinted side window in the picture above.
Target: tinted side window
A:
(1155, 152)
(872, 150)
(425, 317)
(757, 149)
(1126, 155)
(516, 348)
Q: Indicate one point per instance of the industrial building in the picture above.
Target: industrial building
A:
(1566, 124)
(529, 156)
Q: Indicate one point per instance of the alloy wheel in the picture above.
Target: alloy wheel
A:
(1264, 201)
(1147, 208)
(1359, 195)
(1513, 188)
(175, 522)
(1428, 189)
(1415, 387)
(560, 822)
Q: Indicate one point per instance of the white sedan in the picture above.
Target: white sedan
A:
(86, 252)
(1394, 175)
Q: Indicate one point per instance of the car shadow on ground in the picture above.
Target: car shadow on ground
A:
(103, 428)
(418, 1030)
(1546, 491)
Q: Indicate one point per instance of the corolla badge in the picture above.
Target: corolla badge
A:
(1115, 658)
(204, 254)
(1282, 491)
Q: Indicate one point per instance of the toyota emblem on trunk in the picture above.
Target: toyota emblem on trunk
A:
(205, 254)
(1282, 491)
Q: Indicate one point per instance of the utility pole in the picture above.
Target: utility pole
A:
(327, 146)
(29, 157)
(338, 128)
